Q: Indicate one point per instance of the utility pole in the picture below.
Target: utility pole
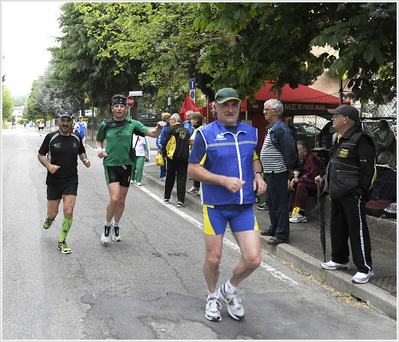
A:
(341, 92)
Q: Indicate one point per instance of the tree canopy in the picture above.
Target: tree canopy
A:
(273, 41)
(7, 103)
(113, 47)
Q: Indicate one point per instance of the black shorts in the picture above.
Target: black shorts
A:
(55, 191)
(118, 174)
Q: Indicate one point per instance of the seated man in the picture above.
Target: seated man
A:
(304, 185)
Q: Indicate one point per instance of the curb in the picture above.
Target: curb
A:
(374, 296)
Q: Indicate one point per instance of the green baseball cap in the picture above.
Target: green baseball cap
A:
(226, 94)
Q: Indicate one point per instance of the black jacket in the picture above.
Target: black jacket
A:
(176, 143)
(351, 168)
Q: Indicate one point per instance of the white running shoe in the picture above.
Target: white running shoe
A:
(212, 310)
(106, 237)
(331, 265)
(116, 234)
(233, 302)
(298, 218)
(139, 184)
(362, 278)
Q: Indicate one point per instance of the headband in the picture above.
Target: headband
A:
(119, 100)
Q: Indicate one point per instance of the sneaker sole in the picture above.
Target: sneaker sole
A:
(237, 318)
(104, 242)
(113, 237)
(64, 252)
(363, 281)
(213, 319)
(302, 221)
(340, 268)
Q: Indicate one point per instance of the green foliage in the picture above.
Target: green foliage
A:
(274, 42)
(7, 103)
(32, 109)
(365, 36)
(114, 47)
(159, 37)
(261, 41)
(20, 100)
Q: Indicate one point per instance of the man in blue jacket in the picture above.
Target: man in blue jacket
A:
(279, 155)
(225, 158)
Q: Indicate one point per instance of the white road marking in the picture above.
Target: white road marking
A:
(277, 274)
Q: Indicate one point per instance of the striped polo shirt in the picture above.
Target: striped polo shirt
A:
(272, 160)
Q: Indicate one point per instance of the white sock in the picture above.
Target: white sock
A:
(213, 295)
(108, 224)
(115, 224)
(228, 288)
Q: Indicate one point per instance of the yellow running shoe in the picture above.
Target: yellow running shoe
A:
(63, 247)
(47, 223)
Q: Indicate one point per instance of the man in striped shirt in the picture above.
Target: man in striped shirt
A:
(279, 155)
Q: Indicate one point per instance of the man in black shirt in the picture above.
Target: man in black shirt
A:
(58, 153)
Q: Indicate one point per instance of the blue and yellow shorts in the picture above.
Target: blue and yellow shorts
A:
(239, 217)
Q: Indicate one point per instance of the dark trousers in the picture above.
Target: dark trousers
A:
(277, 202)
(348, 220)
(303, 190)
(173, 168)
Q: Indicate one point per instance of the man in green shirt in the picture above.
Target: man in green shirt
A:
(117, 162)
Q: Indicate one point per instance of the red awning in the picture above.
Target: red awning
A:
(300, 94)
(299, 101)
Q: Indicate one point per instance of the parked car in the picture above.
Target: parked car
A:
(149, 119)
(307, 132)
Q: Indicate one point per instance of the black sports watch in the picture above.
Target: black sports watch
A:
(261, 173)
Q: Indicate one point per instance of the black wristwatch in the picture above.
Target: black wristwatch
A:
(261, 173)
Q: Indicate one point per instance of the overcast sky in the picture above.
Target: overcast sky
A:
(27, 30)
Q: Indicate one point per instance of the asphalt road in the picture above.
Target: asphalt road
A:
(150, 285)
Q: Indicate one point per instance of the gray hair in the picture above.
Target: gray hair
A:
(176, 117)
(304, 145)
(277, 105)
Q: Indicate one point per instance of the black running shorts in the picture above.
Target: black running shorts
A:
(55, 191)
(118, 174)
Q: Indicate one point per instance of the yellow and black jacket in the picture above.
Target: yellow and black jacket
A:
(176, 143)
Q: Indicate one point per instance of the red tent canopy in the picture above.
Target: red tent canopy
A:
(300, 94)
(299, 101)
(189, 104)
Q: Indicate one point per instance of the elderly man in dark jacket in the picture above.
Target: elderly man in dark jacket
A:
(279, 156)
(349, 179)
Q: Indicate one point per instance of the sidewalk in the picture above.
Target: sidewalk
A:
(304, 250)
